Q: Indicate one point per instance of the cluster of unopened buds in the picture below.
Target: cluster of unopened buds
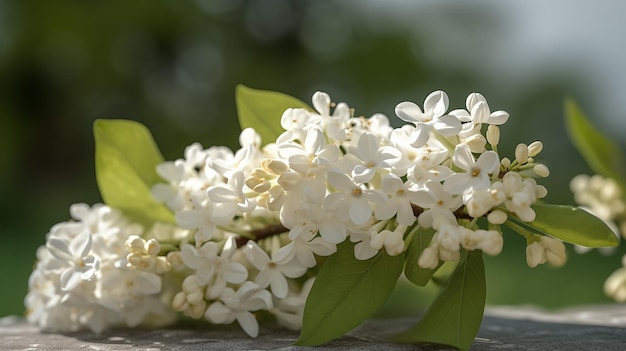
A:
(253, 225)
(604, 198)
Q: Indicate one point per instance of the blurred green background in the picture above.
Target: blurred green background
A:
(174, 65)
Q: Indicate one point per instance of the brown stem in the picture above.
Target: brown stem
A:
(262, 233)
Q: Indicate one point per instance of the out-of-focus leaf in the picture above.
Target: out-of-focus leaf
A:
(263, 109)
(601, 154)
(126, 160)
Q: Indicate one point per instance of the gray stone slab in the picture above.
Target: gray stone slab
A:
(590, 328)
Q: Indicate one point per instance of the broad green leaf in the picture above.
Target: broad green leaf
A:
(346, 292)
(601, 154)
(262, 110)
(455, 316)
(570, 224)
(413, 272)
(126, 160)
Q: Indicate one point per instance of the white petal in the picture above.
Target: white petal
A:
(367, 147)
(322, 247)
(263, 278)
(256, 255)
(362, 174)
(70, 279)
(420, 135)
(457, 183)
(436, 103)
(409, 112)
(391, 184)
(321, 102)
(248, 323)
(148, 283)
(191, 219)
(190, 256)
(360, 212)
(279, 286)
(220, 314)
(340, 180)
(480, 112)
(235, 272)
(488, 162)
(334, 232)
(498, 117)
(292, 270)
(463, 157)
(386, 211)
(221, 194)
(58, 248)
(473, 99)
(405, 214)
(447, 125)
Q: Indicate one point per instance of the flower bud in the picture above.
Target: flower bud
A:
(493, 134)
(429, 259)
(535, 254)
(535, 148)
(541, 170)
(521, 153)
(152, 247)
(275, 166)
(179, 302)
(134, 243)
(505, 162)
(175, 259)
(615, 285)
(497, 217)
(196, 311)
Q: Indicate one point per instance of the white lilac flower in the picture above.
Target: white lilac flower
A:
(433, 117)
(427, 163)
(303, 249)
(271, 273)
(401, 196)
(295, 121)
(351, 199)
(75, 253)
(443, 205)
(476, 175)
(334, 125)
(372, 158)
(239, 305)
(230, 197)
(478, 112)
(521, 193)
(214, 269)
(71, 286)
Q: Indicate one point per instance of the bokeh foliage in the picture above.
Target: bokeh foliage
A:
(174, 66)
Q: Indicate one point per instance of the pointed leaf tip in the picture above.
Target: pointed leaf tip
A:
(126, 160)
(262, 110)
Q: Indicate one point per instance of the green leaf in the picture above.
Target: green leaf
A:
(570, 224)
(126, 160)
(346, 292)
(262, 110)
(601, 154)
(455, 316)
(413, 272)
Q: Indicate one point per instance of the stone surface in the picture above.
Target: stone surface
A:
(590, 328)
